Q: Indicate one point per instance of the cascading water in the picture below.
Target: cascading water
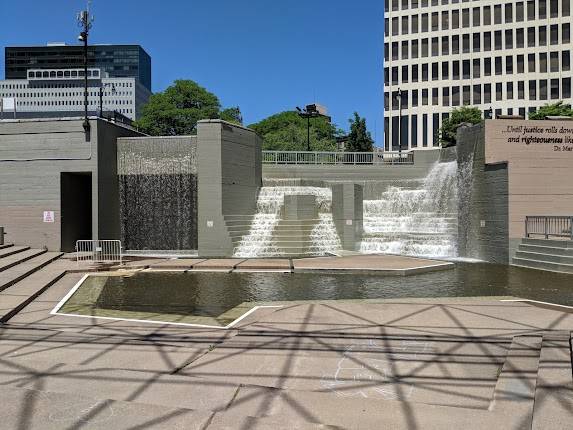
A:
(260, 242)
(418, 222)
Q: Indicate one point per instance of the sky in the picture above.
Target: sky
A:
(265, 56)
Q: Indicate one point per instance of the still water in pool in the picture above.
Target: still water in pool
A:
(212, 294)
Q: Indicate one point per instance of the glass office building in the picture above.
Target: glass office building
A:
(506, 57)
(115, 61)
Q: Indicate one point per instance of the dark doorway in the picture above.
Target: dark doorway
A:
(76, 207)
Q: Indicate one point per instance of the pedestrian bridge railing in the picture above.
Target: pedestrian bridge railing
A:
(99, 251)
(338, 158)
(549, 226)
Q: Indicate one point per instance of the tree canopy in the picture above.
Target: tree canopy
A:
(448, 130)
(287, 131)
(175, 111)
(359, 139)
(552, 109)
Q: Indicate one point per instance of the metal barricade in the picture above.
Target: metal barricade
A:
(99, 251)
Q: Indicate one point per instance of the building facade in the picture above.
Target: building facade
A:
(49, 93)
(505, 57)
(116, 61)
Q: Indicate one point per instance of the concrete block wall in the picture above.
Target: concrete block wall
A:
(299, 207)
(347, 213)
(33, 155)
(229, 178)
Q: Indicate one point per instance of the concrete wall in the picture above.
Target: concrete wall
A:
(374, 178)
(229, 178)
(33, 154)
(347, 213)
(483, 200)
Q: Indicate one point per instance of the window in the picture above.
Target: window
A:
(424, 72)
(521, 90)
(424, 22)
(404, 74)
(435, 24)
(477, 94)
(435, 127)
(542, 9)
(531, 10)
(487, 93)
(414, 121)
(445, 96)
(425, 129)
(466, 70)
(476, 68)
(445, 70)
(498, 92)
(497, 14)
(487, 41)
(476, 17)
(466, 95)
(565, 10)
(487, 15)
(394, 75)
(508, 39)
(405, 50)
(554, 89)
(498, 68)
(554, 8)
(465, 18)
(565, 61)
(508, 13)
(497, 40)
(404, 4)
(509, 65)
(435, 100)
(395, 51)
(414, 73)
(476, 42)
(520, 64)
(386, 76)
(542, 35)
(455, 19)
(414, 98)
(466, 43)
(445, 20)
(455, 96)
(532, 90)
(424, 47)
(519, 11)
(425, 97)
(435, 72)
(566, 87)
(554, 61)
(404, 25)
(414, 27)
(487, 66)
(455, 44)
(554, 34)
(395, 5)
(531, 37)
(566, 33)
(435, 47)
(531, 63)
(415, 48)
(543, 62)
(543, 89)
(445, 45)
(509, 90)
(519, 38)
(456, 70)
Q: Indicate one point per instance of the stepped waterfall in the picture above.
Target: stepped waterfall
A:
(419, 221)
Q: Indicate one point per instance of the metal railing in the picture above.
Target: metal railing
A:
(99, 251)
(549, 226)
(337, 158)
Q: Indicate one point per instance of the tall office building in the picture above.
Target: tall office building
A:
(505, 57)
(115, 61)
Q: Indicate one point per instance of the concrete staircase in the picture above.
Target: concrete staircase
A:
(292, 237)
(545, 254)
(24, 274)
(238, 226)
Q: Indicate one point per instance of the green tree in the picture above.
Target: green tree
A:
(448, 130)
(175, 111)
(552, 109)
(233, 115)
(287, 131)
(359, 139)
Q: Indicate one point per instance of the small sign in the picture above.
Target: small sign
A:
(348, 222)
(49, 216)
(482, 223)
(210, 224)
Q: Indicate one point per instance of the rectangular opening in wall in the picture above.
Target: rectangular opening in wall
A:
(76, 208)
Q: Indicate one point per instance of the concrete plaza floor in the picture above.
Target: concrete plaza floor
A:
(476, 363)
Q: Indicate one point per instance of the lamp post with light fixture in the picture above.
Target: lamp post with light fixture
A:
(85, 22)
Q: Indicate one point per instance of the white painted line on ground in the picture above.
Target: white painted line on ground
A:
(56, 311)
(536, 301)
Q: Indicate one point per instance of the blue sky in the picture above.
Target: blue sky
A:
(264, 55)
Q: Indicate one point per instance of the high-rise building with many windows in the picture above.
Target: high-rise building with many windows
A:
(506, 57)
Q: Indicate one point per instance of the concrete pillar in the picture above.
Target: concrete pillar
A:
(299, 207)
(347, 209)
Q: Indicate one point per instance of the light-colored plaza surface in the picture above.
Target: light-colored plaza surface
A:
(472, 363)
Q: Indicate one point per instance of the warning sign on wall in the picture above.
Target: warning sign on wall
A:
(48, 216)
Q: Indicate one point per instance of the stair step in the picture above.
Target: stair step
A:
(6, 245)
(546, 249)
(13, 250)
(13, 260)
(542, 265)
(548, 242)
(20, 271)
(545, 257)
(22, 293)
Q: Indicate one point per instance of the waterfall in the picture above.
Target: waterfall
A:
(417, 222)
(259, 242)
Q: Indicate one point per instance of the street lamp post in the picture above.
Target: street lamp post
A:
(85, 22)
(310, 111)
(101, 91)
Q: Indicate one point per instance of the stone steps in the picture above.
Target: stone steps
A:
(542, 265)
(6, 252)
(20, 294)
(545, 257)
(6, 245)
(542, 254)
(539, 249)
(548, 242)
(19, 258)
(17, 272)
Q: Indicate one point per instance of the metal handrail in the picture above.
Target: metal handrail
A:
(549, 226)
(99, 251)
(337, 158)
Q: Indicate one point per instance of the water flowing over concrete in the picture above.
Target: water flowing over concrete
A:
(419, 221)
(158, 194)
(264, 238)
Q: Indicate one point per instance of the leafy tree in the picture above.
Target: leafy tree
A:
(359, 139)
(175, 111)
(552, 109)
(233, 115)
(448, 130)
(287, 131)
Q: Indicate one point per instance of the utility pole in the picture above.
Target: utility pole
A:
(85, 22)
